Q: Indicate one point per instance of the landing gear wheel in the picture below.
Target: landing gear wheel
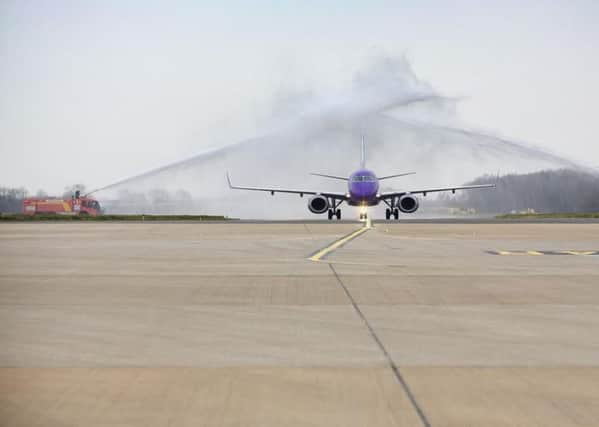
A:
(388, 213)
(330, 214)
(396, 213)
(338, 214)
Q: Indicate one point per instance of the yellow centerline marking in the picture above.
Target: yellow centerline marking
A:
(535, 253)
(337, 243)
(542, 252)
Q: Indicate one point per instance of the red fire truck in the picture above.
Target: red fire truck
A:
(75, 206)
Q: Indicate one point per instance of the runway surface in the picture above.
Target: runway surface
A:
(263, 324)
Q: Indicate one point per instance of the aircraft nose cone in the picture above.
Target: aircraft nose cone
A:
(364, 189)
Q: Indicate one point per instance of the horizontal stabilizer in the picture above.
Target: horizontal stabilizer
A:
(395, 176)
(330, 176)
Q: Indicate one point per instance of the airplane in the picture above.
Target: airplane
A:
(362, 191)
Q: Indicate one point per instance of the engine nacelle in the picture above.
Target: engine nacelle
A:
(408, 203)
(318, 204)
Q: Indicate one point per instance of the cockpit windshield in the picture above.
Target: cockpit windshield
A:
(363, 178)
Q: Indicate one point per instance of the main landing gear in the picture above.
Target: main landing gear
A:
(335, 212)
(394, 212)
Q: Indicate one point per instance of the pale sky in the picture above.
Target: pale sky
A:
(93, 92)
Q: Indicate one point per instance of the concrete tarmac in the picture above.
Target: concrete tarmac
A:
(231, 324)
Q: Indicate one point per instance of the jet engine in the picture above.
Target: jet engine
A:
(408, 203)
(318, 204)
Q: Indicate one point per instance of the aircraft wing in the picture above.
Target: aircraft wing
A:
(433, 190)
(337, 196)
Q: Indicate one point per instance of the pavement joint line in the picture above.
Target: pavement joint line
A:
(421, 415)
(327, 250)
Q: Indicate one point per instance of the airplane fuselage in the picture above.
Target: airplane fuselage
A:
(363, 188)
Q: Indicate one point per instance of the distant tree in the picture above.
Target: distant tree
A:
(128, 202)
(162, 201)
(11, 199)
(184, 202)
(41, 194)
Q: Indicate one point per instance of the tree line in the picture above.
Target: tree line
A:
(11, 199)
(153, 202)
(548, 191)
